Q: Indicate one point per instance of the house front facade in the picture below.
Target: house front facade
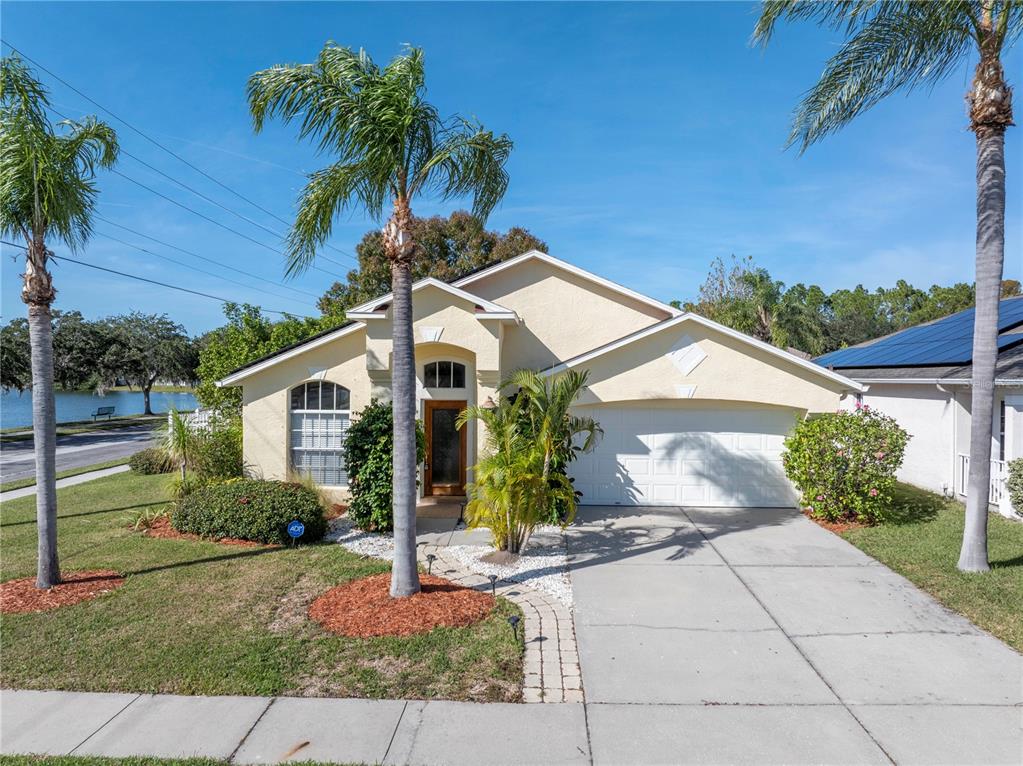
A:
(921, 376)
(693, 413)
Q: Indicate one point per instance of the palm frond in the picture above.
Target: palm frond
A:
(469, 161)
(902, 47)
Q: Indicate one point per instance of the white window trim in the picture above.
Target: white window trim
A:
(291, 448)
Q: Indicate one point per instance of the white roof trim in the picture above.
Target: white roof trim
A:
(690, 317)
(235, 377)
(566, 266)
(941, 381)
(368, 310)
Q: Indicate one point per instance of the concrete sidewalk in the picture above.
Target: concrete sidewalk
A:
(272, 730)
(70, 481)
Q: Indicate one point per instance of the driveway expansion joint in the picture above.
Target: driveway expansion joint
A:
(791, 640)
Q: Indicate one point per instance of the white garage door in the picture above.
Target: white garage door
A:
(686, 456)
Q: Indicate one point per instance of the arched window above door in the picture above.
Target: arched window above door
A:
(444, 375)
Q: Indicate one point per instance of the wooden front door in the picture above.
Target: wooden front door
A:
(445, 449)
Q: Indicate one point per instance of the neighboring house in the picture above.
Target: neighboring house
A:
(693, 413)
(921, 377)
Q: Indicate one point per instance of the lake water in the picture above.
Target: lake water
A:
(16, 409)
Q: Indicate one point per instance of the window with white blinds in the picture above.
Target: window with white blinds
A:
(320, 416)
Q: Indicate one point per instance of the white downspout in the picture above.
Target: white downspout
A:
(955, 434)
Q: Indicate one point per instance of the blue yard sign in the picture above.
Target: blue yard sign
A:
(296, 529)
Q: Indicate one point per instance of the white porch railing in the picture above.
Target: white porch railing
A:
(996, 489)
(197, 420)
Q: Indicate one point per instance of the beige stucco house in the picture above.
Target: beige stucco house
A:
(692, 412)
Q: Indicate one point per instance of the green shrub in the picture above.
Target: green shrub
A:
(1014, 484)
(844, 463)
(369, 449)
(151, 460)
(217, 450)
(250, 509)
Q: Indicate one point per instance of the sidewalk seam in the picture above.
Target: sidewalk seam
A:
(106, 723)
(387, 750)
(230, 758)
(789, 638)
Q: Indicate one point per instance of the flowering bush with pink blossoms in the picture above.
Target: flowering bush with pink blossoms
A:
(844, 463)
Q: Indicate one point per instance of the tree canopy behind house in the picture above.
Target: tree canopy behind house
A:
(247, 336)
(741, 295)
(447, 248)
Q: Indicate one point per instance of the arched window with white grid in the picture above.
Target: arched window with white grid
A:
(320, 414)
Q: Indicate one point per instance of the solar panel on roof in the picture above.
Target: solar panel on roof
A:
(945, 341)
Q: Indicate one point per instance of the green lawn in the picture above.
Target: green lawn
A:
(30, 481)
(922, 543)
(202, 618)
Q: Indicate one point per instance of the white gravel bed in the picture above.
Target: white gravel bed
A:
(543, 566)
(346, 534)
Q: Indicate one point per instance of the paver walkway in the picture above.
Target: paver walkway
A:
(704, 637)
(755, 636)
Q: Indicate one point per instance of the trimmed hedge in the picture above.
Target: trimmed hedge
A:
(251, 509)
(1014, 484)
(151, 460)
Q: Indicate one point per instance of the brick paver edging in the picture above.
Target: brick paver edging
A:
(551, 660)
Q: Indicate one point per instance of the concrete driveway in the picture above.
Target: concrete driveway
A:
(755, 636)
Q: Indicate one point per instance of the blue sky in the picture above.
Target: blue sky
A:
(649, 139)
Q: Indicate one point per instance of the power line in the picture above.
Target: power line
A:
(207, 218)
(203, 257)
(164, 148)
(150, 281)
(194, 268)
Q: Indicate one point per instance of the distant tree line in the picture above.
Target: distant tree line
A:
(136, 349)
(745, 297)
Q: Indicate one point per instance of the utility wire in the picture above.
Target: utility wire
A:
(161, 146)
(195, 268)
(150, 281)
(207, 218)
(203, 257)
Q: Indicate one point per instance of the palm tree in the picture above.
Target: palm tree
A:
(390, 144)
(897, 46)
(46, 191)
(552, 425)
(178, 440)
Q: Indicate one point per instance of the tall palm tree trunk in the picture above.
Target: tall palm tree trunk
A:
(404, 574)
(38, 293)
(991, 114)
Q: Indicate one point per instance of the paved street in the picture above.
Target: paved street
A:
(17, 459)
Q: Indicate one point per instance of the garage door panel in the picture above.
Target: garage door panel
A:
(665, 456)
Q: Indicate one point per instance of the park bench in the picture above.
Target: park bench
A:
(103, 412)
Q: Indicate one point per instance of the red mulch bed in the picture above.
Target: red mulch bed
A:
(22, 596)
(337, 510)
(364, 608)
(162, 528)
(838, 527)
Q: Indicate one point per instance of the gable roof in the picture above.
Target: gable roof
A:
(491, 310)
(536, 255)
(319, 339)
(941, 342)
(377, 307)
(703, 321)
